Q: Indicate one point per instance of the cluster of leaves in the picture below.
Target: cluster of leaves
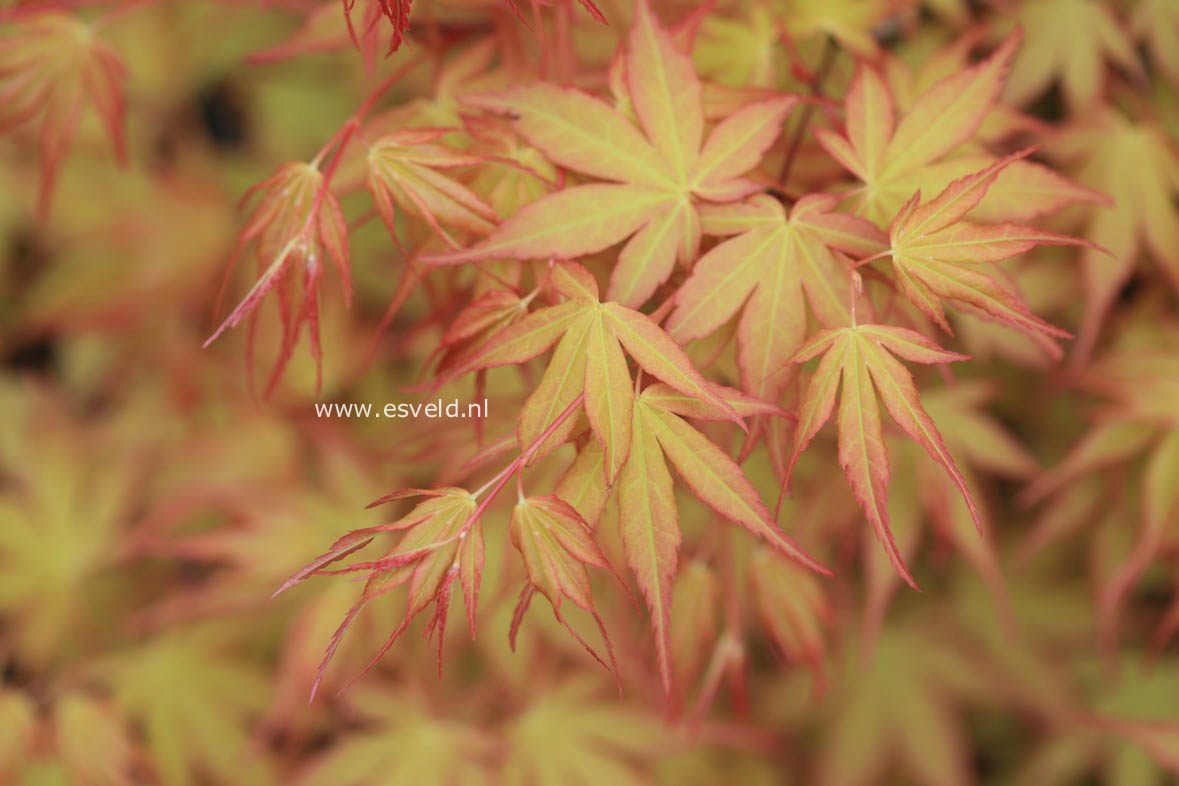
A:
(655, 238)
(668, 187)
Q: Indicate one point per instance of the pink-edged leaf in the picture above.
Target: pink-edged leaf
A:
(870, 121)
(664, 91)
(650, 532)
(739, 141)
(659, 356)
(609, 396)
(471, 559)
(950, 112)
(525, 339)
(584, 485)
(954, 202)
(909, 344)
(968, 242)
(578, 131)
(563, 381)
(574, 282)
(718, 482)
(568, 223)
(862, 453)
(671, 400)
(896, 389)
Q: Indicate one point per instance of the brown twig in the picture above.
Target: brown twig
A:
(826, 61)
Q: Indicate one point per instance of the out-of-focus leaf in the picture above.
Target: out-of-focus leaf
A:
(570, 736)
(51, 66)
(406, 746)
(194, 702)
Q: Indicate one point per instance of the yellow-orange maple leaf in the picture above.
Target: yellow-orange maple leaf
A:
(659, 174)
(862, 356)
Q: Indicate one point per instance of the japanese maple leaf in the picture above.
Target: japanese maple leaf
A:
(792, 607)
(922, 497)
(590, 338)
(770, 262)
(54, 496)
(570, 734)
(402, 172)
(442, 542)
(1067, 40)
(1142, 385)
(402, 742)
(899, 713)
(476, 324)
(1131, 735)
(557, 544)
(295, 226)
(938, 254)
(650, 527)
(51, 67)
(660, 173)
(922, 149)
(163, 687)
(862, 357)
(1136, 164)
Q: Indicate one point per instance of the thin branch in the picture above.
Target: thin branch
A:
(827, 60)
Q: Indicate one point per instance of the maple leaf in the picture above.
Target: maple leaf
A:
(164, 686)
(92, 741)
(976, 435)
(902, 708)
(1142, 383)
(792, 607)
(404, 743)
(401, 171)
(772, 260)
(477, 324)
(442, 542)
(862, 357)
(694, 619)
(1135, 163)
(937, 254)
(590, 337)
(650, 529)
(52, 491)
(1067, 40)
(896, 154)
(296, 223)
(570, 735)
(660, 173)
(1130, 736)
(557, 544)
(51, 67)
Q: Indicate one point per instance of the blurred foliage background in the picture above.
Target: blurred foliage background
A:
(150, 504)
